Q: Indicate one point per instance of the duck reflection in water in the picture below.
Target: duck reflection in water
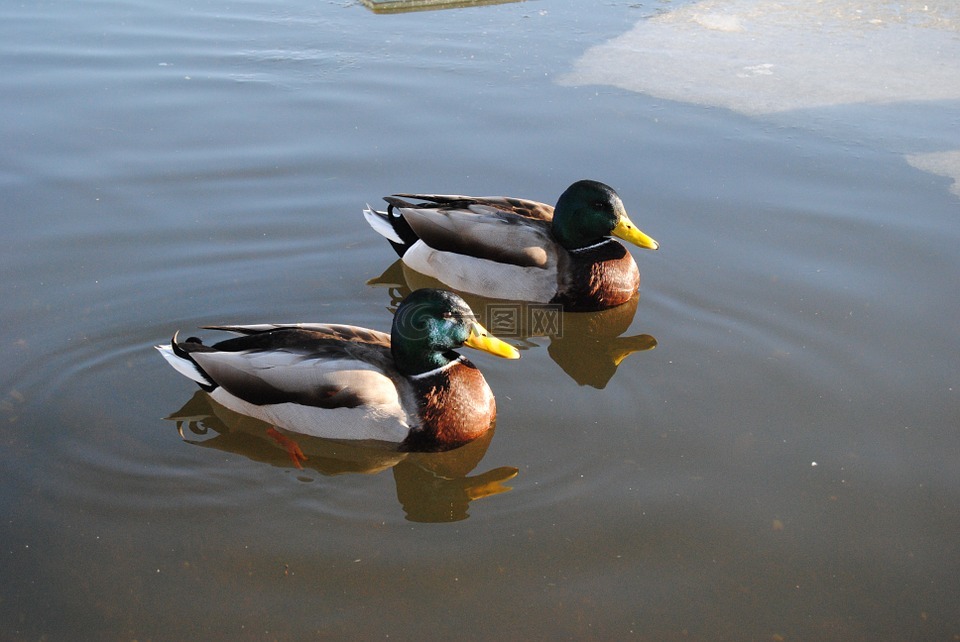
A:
(431, 487)
(588, 346)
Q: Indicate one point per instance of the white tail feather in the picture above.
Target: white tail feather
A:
(184, 366)
(378, 221)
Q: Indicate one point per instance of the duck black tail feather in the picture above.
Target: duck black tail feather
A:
(401, 229)
(183, 349)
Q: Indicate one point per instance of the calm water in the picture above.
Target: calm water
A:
(782, 465)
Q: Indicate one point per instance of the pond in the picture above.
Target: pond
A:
(762, 445)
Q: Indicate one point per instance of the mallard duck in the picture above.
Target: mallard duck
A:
(343, 382)
(511, 248)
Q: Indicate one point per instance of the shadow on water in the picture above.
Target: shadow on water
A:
(431, 487)
(588, 346)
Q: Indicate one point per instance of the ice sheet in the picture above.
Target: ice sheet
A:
(759, 57)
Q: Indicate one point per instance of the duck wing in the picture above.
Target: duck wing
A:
(520, 206)
(339, 331)
(504, 230)
(324, 366)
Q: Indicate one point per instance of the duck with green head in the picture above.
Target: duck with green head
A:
(511, 248)
(410, 387)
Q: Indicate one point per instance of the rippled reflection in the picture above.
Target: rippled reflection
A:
(431, 487)
(588, 346)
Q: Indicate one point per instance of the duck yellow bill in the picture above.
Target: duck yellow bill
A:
(482, 340)
(629, 232)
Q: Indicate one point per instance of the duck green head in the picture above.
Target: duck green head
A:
(590, 211)
(430, 324)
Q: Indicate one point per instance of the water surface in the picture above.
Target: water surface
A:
(777, 460)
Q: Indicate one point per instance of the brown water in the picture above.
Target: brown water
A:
(778, 460)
